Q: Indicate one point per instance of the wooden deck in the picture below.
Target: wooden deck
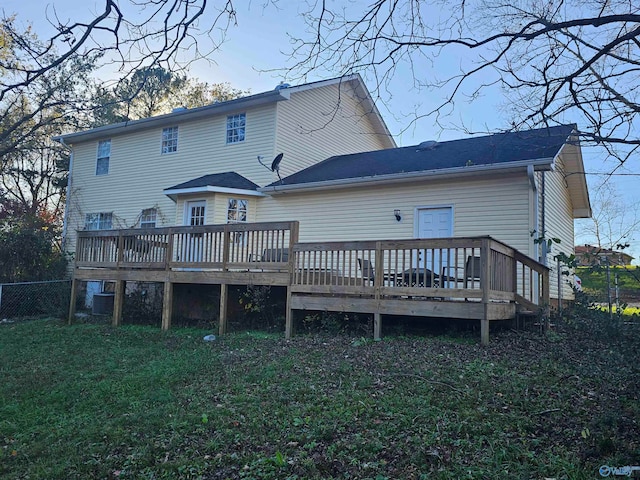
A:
(470, 278)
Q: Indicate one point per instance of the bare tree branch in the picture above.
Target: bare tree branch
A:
(125, 35)
(552, 59)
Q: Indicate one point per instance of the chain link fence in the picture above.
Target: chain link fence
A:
(34, 299)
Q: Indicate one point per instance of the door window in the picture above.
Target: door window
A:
(196, 213)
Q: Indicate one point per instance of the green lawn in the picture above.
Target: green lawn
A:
(89, 401)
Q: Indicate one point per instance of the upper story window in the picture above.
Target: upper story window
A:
(169, 140)
(236, 210)
(104, 153)
(235, 127)
(148, 218)
(98, 221)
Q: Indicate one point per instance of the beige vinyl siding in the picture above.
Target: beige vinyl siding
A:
(209, 209)
(216, 208)
(558, 224)
(138, 172)
(318, 123)
(496, 206)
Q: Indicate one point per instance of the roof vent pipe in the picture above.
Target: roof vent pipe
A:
(427, 145)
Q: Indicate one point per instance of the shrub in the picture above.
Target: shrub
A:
(28, 251)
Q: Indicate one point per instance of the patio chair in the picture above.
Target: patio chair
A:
(467, 275)
(368, 273)
(275, 255)
(472, 271)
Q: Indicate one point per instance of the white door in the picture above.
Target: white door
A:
(194, 216)
(434, 223)
(195, 213)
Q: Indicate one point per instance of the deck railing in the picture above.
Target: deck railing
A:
(225, 247)
(473, 268)
(451, 268)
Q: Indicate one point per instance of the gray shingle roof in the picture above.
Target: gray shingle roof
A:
(226, 180)
(501, 148)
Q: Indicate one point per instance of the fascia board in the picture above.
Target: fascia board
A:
(581, 213)
(171, 118)
(173, 193)
(322, 83)
(576, 179)
(474, 170)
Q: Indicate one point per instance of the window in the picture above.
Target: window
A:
(196, 213)
(104, 152)
(237, 213)
(235, 128)
(148, 218)
(169, 140)
(236, 210)
(98, 221)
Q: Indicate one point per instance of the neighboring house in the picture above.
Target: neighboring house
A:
(141, 173)
(588, 255)
(510, 186)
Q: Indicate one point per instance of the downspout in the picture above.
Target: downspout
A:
(65, 219)
(534, 188)
(543, 226)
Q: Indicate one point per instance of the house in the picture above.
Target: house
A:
(153, 172)
(143, 173)
(588, 255)
(511, 186)
(347, 221)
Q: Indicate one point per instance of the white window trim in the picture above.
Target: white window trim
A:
(237, 210)
(147, 223)
(238, 237)
(98, 157)
(235, 127)
(101, 218)
(165, 142)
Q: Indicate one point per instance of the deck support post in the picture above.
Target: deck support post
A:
(167, 306)
(118, 300)
(484, 327)
(378, 281)
(485, 285)
(224, 297)
(288, 322)
(377, 326)
(72, 301)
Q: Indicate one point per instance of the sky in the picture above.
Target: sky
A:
(255, 57)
